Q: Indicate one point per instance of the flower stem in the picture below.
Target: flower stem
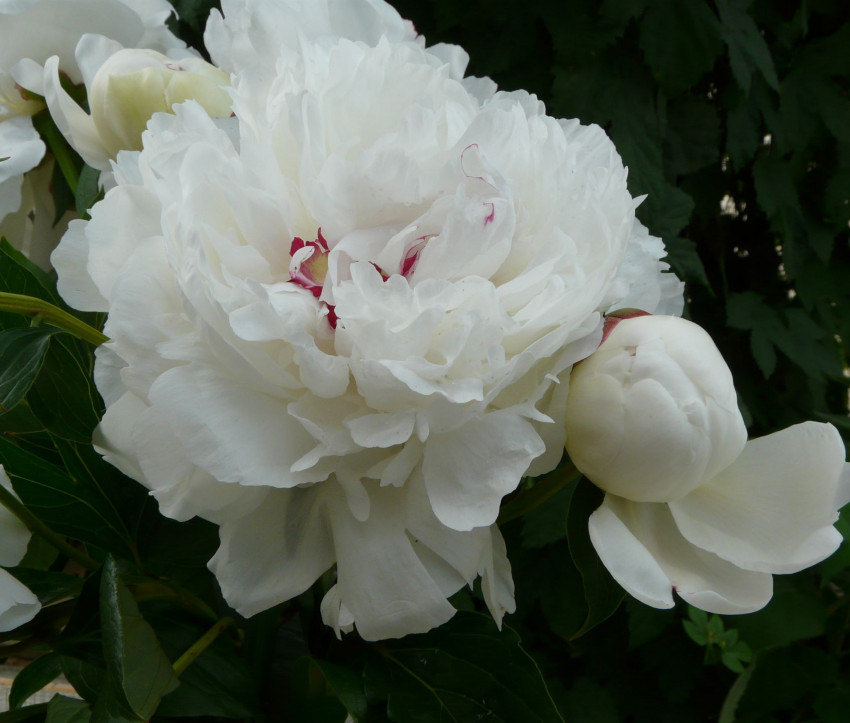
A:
(37, 527)
(43, 311)
(538, 493)
(200, 645)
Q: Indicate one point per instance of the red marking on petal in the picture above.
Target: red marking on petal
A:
(411, 256)
(615, 317)
(492, 215)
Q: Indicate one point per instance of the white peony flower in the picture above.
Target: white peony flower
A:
(17, 604)
(692, 506)
(35, 32)
(342, 321)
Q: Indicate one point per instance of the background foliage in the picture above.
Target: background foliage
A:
(734, 118)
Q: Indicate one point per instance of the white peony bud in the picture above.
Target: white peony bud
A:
(133, 84)
(653, 412)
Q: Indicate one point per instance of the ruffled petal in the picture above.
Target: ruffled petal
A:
(772, 510)
(644, 551)
(274, 553)
(468, 471)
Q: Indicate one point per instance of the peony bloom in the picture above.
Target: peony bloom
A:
(35, 32)
(17, 604)
(342, 321)
(691, 506)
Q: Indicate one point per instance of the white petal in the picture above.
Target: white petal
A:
(235, 433)
(73, 122)
(274, 553)
(381, 580)
(17, 604)
(14, 534)
(468, 471)
(772, 510)
(644, 551)
(70, 259)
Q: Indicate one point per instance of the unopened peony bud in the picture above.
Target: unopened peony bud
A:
(653, 412)
(134, 84)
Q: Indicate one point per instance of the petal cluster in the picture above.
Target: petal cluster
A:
(342, 320)
(39, 40)
(691, 505)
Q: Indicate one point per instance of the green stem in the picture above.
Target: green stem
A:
(200, 645)
(37, 527)
(59, 148)
(542, 490)
(44, 311)
(156, 590)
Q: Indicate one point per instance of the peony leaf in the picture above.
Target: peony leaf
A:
(320, 690)
(22, 353)
(465, 670)
(602, 593)
(680, 42)
(138, 671)
(748, 50)
(67, 507)
(88, 191)
(33, 678)
(67, 710)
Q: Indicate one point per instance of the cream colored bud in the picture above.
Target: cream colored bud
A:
(134, 84)
(653, 412)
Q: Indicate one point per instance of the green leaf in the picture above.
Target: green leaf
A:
(218, 683)
(40, 672)
(692, 139)
(66, 507)
(601, 592)
(37, 274)
(749, 311)
(22, 353)
(67, 710)
(88, 190)
(748, 50)
(138, 671)
(63, 396)
(546, 523)
(683, 257)
(25, 715)
(320, 691)
(463, 671)
(744, 134)
(680, 41)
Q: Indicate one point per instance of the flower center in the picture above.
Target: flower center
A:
(308, 267)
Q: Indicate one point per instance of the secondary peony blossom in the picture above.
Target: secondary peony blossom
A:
(692, 506)
(35, 32)
(17, 604)
(343, 320)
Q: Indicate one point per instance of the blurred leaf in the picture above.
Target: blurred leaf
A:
(547, 523)
(744, 134)
(749, 311)
(692, 138)
(748, 50)
(646, 623)
(22, 353)
(33, 271)
(30, 713)
(683, 258)
(465, 670)
(601, 592)
(138, 671)
(680, 41)
(33, 678)
(67, 710)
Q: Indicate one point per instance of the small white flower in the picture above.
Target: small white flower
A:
(34, 32)
(17, 604)
(692, 506)
(342, 321)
